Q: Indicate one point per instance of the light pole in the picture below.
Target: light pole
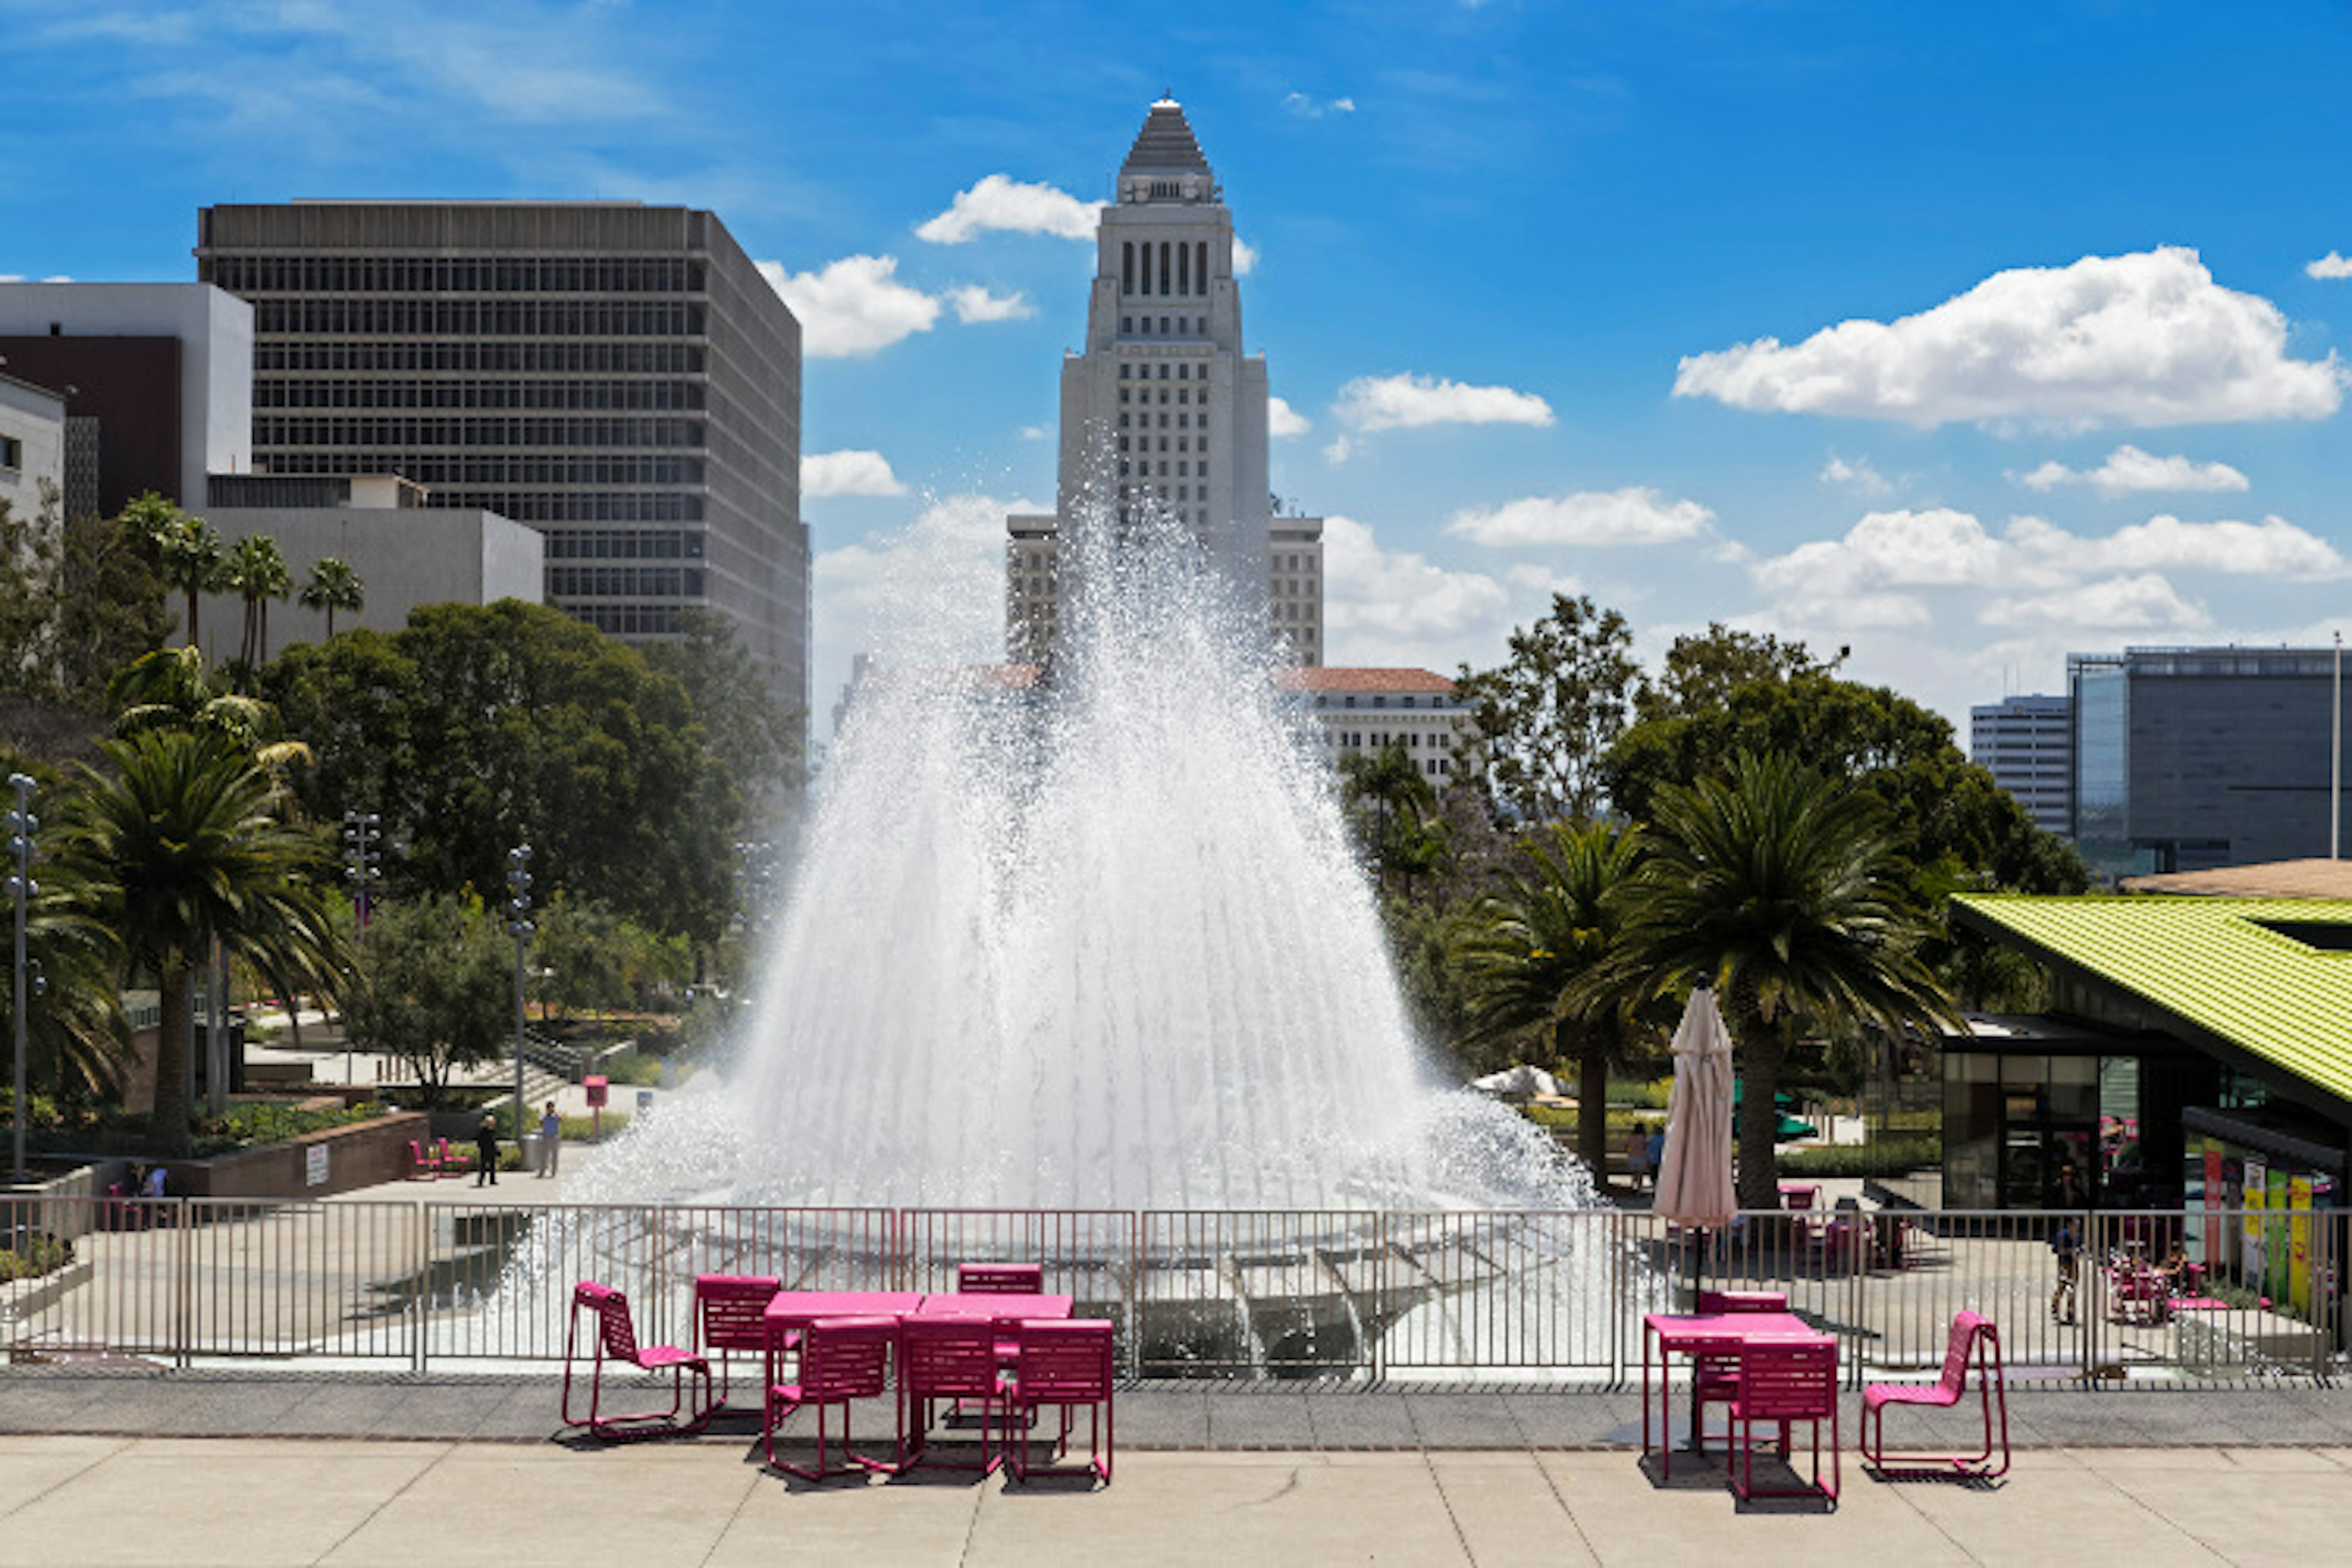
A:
(518, 909)
(361, 831)
(22, 824)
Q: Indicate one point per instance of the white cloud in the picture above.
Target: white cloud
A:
(1035, 433)
(1901, 549)
(1399, 595)
(1857, 476)
(849, 473)
(975, 305)
(2140, 603)
(852, 307)
(1282, 420)
(1402, 402)
(1306, 108)
(2146, 338)
(2271, 548)
(1635, 515)
(1012, 206)
(2128, 469)
(1245, 257)
(2331, 265)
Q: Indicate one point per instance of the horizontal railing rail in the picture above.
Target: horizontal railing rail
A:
(1358, 1294)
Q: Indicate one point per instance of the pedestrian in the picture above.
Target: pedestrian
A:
(2067, 1248)
(485, 1143)
(550, 1140)
(1656, 1151)
(1637, 1157)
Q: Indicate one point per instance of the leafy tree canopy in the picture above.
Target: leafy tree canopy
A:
(1543, 719)
(435, 988)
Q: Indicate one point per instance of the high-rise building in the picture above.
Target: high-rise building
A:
(1162, 411)
(619, 376)
(2190, 759)
(2027, 743)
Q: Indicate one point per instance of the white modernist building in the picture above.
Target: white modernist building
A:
(1363, 712)
(1163, 412)
(32, 445)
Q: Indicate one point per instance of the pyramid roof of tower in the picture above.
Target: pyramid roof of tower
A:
(1165, 142)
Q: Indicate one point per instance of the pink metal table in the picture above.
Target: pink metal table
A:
(1726, 1333)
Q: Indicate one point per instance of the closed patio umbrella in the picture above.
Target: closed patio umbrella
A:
(1695, 1177)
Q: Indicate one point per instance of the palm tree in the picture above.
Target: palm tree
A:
(183, 848)
(1392, 801)
(1544, 957)
(1784, 891)
(256, 573)
(334, 585)
(76, 1028)
(168, 689)
(190, 558)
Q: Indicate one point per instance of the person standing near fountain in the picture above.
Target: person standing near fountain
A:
(550, 1140)
(485, 1141)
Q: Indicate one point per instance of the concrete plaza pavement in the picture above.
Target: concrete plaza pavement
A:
(250, 1467)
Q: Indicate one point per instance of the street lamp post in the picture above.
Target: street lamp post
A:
(518, 909)
(22, 824)
(361, 831)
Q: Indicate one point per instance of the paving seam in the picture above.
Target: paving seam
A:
(2184, 1532)
(450, 1445)
(751, 1491)
(1446, 1502)
(120, 1448)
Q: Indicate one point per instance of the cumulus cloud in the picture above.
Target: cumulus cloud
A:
(2331, 265)
(1401, 402)
(1012, 206)
(2146, 338)
(1857, 476)
(1399, 594)
(849, 473)
(2140, 603)
(1282, 420)
(1035, 433)
(1245, 257)
(974, 305)
(852, 307)
(1635, 515)
(2128, 469)
(2271, 548)
(1306, 108)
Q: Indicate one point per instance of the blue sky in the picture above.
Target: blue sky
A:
(1961, 336)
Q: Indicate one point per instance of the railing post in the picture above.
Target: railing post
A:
(420, 1302)
(184, 1284)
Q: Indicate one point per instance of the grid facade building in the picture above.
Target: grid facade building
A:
(2027, 743)
(1163, 412)
(619, 377)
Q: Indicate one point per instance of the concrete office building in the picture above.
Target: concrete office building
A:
(2027, 743)
(2188, 759)
(619, 376)
(32, 447)
(1163, 412)
(157, 380)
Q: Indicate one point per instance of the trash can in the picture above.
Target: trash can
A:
(529, 1142)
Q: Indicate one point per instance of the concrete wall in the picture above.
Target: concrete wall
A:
(214, 330)
(363, 1156)
(34, 420)
(407, 557)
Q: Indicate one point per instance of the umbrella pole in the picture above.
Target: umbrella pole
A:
(1694, 1245)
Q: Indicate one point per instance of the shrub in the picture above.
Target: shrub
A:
(1881, 1157)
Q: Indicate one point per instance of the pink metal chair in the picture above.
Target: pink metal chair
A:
(945, 1358)
(617, 1340)
(841, 1360)
(1062, 1362)
(453, 1162)
(731, 1318)
(1000, 1279)
(1974, 1338)
(1715, 1379)
(1785, 1384)
(422, 1166)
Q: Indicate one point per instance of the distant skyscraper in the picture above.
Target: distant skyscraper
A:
(619, 377)
(1163, 411)
(2027, 743)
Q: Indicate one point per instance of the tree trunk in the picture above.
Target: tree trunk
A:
(168, 1126)
(1592, 1111)
(192, 613)
(1761, 1047)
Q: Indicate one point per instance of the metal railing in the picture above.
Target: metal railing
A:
(1367, 1295)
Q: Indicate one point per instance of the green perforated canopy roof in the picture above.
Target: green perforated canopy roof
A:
(2271, 976)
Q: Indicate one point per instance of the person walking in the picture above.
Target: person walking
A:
(1637, 1157)
(2067, 1248)
(550, 1140)
(485, 1143)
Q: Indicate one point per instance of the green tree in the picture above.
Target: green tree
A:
(182, 845)
(584, 953)
(1782, 891)
(332, 586)
(29, 552)
(168, 689)
(1392, 808)
(1542, 722)
(257, 573)
(436, 989)
(1702, 669)
(187, 554)
(760, 741)
(75, 1026)
(1545, 960)
(110, 605)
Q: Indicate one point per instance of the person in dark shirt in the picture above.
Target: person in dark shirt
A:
(2068, 1250)
(486, 1168)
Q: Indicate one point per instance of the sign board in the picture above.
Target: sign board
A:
(314, 1165)
(644, 1100)
(598, 1090)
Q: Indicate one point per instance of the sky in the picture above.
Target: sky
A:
(1958, 337)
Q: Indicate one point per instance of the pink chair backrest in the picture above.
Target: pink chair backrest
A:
(1064, 1358)
(613, 1321)
(1964, 1343)
(847, 1358)
(1000, 1279)
(948, 1356)
(734, 1309)
(1711, 1303)
(1788, 1380)
(1800, 1198)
